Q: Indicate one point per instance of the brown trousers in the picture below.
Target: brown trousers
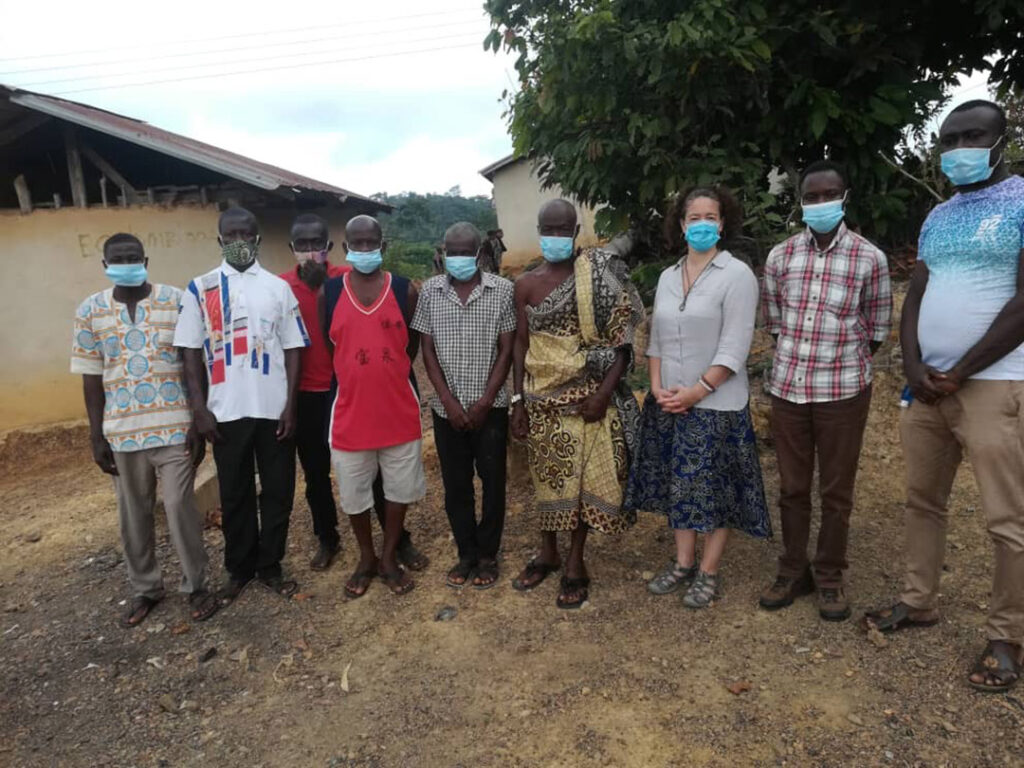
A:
(833, 430)
(987, 419)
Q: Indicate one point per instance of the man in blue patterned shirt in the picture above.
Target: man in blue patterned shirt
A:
(962, 332)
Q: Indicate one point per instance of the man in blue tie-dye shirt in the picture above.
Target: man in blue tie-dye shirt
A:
(962, 333)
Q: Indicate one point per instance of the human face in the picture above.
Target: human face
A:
(702, 209)
(124, 253)
(364, 236)
(239, 228)
(558, 221)
(461, 245)
(974, 128)
(822, 187)
(310, 237)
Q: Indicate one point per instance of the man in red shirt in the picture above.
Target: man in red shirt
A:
(311, 244)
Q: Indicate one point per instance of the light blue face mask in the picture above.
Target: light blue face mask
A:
(555, 249)
(824, 217)
(968, 165)
(365, 261)
(127, 275)
(702, 235)
(462, 268)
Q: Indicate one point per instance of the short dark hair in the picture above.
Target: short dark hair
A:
(236, 212)
(122, 237)
(309, 218)
(821, 166)
(975, 103)
(732, 214)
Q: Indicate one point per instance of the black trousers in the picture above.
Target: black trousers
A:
(314, 410)
(485, 450)
(255, 531)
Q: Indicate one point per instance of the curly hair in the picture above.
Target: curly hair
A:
(732, 215)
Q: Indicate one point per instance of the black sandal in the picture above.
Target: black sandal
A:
(358, 583)
(140, 606)
(231, 591)
(578, 587)
(533, 574)
(203, 605)
(464, 569)
(1000, 661)
(895, 619)
(411, 557)
(282, 586)
(399, 581)
(488, 571)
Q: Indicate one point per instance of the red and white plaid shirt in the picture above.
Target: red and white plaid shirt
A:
(826, 307)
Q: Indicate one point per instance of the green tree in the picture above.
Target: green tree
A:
(625, 102)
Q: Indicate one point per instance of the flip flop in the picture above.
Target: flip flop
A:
(1000, 661)
(577, 587)
(141, 605)
(523, 582)
(486, 569)
(231, 591)
(464, 569)
(203, 605)
(359, 579)
(894, 619)
(280, 585)
(394, 580)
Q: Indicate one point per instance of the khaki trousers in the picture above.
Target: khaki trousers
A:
(985, 418)
(136, 498)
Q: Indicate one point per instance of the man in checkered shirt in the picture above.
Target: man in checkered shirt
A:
(467, 320)
(828, 304)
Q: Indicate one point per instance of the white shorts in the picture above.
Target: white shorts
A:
(400, 465)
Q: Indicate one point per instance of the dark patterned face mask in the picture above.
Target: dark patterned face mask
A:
(240, 253)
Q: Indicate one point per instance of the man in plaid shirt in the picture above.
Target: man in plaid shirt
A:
(828, 304)
(467, 323)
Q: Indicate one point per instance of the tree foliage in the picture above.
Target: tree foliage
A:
(625, 102)
(418, 223)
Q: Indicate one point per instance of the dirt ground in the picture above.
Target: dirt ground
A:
(630, 680)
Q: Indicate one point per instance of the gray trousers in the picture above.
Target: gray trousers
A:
(136, 499)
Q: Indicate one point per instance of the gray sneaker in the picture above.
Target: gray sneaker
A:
(704, 591)
(672, 578)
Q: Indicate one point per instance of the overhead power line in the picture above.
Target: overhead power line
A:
(217, 51)
(150, 46)
(269, 69)
(461, 36)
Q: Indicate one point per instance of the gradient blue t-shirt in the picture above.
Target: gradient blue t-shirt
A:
(971, 245)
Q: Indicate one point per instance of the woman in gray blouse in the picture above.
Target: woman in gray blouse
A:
(697, 461)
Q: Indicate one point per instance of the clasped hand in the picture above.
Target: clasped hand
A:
(678, 400)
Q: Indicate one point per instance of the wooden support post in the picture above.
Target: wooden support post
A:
(56, 200)
(203, 200)
(124, 196)
(109, 171)
(103, 190)
(151, 195)
(75, 173)
(24, 196)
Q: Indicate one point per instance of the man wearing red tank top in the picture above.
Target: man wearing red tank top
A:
(375, 420)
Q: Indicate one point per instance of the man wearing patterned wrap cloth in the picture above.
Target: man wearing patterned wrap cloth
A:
(577, 315)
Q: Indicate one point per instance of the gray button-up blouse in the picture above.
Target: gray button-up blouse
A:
(714, 325)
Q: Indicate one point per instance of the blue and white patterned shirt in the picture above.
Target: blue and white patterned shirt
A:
(971, 245)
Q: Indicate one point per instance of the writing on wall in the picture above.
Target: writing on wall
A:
(90, 244)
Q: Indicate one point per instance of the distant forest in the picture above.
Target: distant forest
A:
(418, 223)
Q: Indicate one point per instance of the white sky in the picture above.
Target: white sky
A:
(382, 119)
(401, 95)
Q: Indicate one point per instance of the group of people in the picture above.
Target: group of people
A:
(318, 362)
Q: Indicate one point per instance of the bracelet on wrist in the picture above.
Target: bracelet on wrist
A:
(706, 385)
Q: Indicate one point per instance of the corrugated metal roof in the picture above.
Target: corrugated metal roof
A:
(230, 164)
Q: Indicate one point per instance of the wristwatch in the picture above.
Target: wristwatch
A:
(516, 398)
